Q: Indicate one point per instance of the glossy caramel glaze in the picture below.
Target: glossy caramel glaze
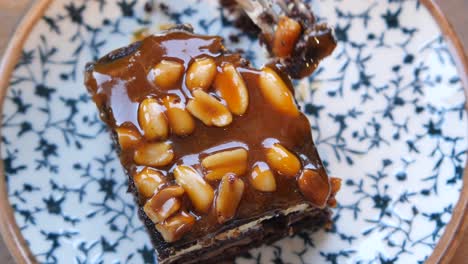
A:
(119, 82)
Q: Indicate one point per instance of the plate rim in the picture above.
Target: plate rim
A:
(15, 242)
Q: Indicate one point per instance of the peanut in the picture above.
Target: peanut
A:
(148, 181)
(209, 110)
(163, 204)
(221, 163)
(154, 154)
(286, 35)
(277, 93)
(176, 226)
(152, 119)
(167, 74)
(180, 121)
(128, 137)
(230, 85)
(283, 161)
(200, 193)
(229, 195)
(200, 74)
(335, 187)
(314, 187)
(262, 178)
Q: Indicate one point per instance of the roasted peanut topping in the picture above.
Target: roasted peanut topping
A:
(314, 187)
(154, 154)
(262, 178)
(286, 35)
(167, 74)
(128, 137)
(201, 74)
(152, 119)
(209, 110)
(148, 181)
(200, 193)
(277, 93)
(230, 192)
(175, 227)
(222, 163)
(163, 204)
(180, 121)
(208, 138)
(283, 161)
(230, 85)
(335, 187)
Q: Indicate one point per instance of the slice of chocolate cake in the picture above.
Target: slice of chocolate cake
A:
(219, 158)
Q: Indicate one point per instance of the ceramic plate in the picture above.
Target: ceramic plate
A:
(387, 113)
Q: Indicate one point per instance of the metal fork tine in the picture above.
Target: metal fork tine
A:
(246, 4)
(268, 7)
(256, 9)
(284, 7)
(304, 9)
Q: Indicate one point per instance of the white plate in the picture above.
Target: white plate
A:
(387, 111)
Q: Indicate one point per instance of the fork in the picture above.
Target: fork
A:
(265, 13)
(316, 41)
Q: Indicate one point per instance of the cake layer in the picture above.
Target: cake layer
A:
(236, 240)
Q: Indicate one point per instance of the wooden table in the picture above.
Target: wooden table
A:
(12, 10)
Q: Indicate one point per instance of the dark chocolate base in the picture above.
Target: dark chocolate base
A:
(225, 251)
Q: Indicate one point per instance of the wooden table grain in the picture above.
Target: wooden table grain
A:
(11, 12)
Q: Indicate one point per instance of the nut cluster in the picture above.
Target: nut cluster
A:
(217, 94)
(218, 186)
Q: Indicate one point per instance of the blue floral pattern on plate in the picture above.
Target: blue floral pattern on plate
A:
(387, 112)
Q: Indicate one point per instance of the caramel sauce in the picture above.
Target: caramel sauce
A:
(119, 82)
